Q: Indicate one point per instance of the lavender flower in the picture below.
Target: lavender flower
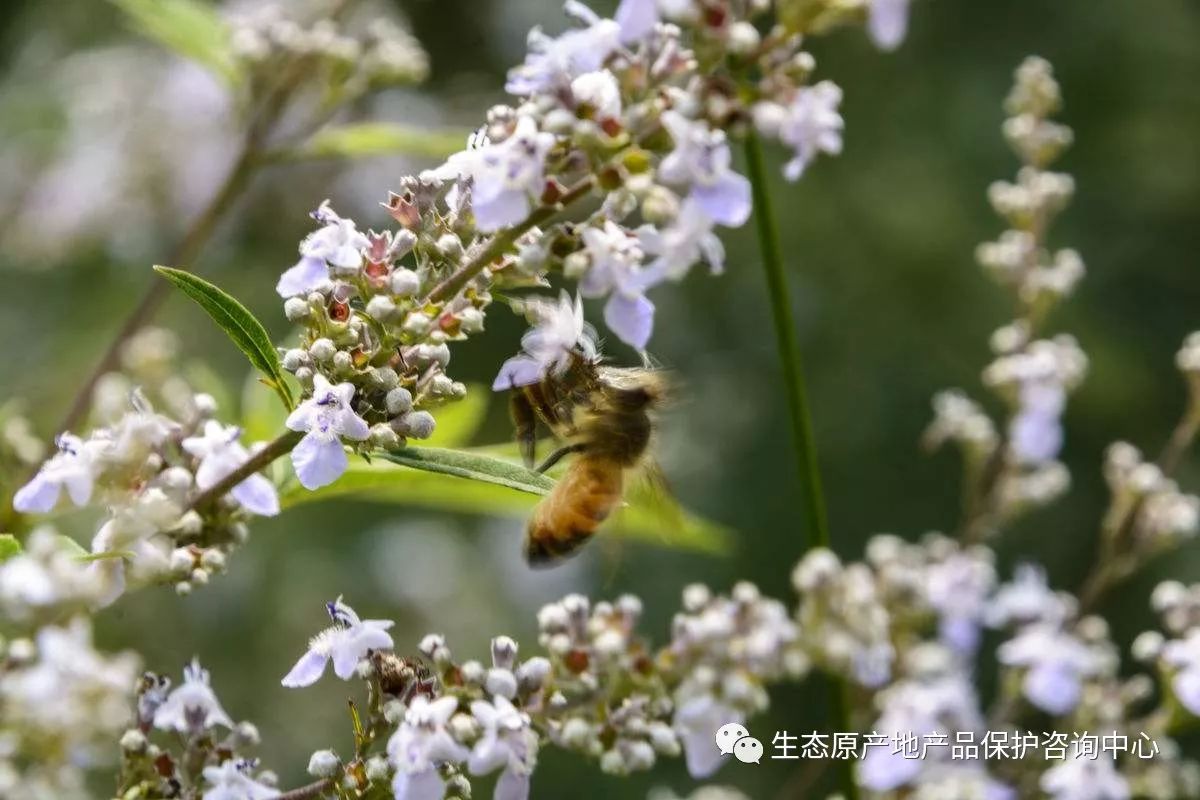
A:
(616, 270)
(554, 62)
(347, 642)
(701, 161)
(558, 336)
(686, 241)
(420, 744)
(193, 706)
(507, 742)
(887, 22)
(1184, 656)
(325, 417)
(337, 244)
(232, 781)
(505, 177)
(810, 124)
(70, 468)
(1056, 663)
(1085, 778)
(221, 453)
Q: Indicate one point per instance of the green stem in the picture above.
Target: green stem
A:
(804, 445)
(789, 353)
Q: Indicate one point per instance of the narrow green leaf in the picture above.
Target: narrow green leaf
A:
(242, 327)
(189, 28)
(475, 482)
(365, 139)
(473, 466)
(9, 546)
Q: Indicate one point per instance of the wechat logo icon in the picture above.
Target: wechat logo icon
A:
(733, 739)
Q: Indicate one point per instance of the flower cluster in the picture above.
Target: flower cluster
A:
(209, 763)
(149, 472)
(1011, 471)
(63, 704)
(634, 114)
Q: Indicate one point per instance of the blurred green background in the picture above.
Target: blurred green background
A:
(890, 307)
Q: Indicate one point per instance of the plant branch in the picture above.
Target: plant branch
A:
(789, 353)
(804, 445)
(314, 789)
(1114, 563)
(503, 240)
(276, 448)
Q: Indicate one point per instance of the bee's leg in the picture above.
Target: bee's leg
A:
(524, 419)
(559, 454)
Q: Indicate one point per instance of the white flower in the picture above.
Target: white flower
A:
(221, 453)
(552, 62)
(232, 781)
(921, 707)
(687, 240)
(559, 336)
(1026, 598)
(636, 18)
(887, 22)
(347, 642)
(71, 468)
(810, 124)
(701, 160)
(46, 577)
(337, 243)
(958, 590)
(616, 270)
(193, 706)
(1184, 655)
(696, 722)
(419, 745)
(600, 91)
(1084, 778)
(504, 176)
(325, 417)
(1056, 663)
(507, 742)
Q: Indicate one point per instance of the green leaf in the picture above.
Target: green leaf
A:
(475, 482)
(459, 421)
(189, 28)
(9, 546)
(242, 327)
(365, 139)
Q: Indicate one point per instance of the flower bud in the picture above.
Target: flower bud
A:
(377, 769)
(405, 282)
(343, 362)
(398, 401)
(449, 245)
(133, 741)
(417, 323)
(381, 307)
(322, 350)
(419, 424)
(294, 358)
(383, 437)
(324, 764)
(471, 320)
(296, 309)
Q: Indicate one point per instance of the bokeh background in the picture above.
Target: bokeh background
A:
(108, 145)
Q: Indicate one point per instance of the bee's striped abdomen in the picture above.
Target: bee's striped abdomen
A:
(584, 497)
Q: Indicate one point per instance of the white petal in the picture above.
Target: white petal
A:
(507, 208)
(630, 318)
(308, 273)
(352, 426)
(346, 658)
(301, 419)
(512, 785)
(318, 462)
(38, 496)
(637, 18)
(726, 200)
(307, 671)
(517, 371)
(887, 23)
(79, 487)
(257, 495)
(424, 785)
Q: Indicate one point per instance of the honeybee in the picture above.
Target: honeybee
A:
(603, 417)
